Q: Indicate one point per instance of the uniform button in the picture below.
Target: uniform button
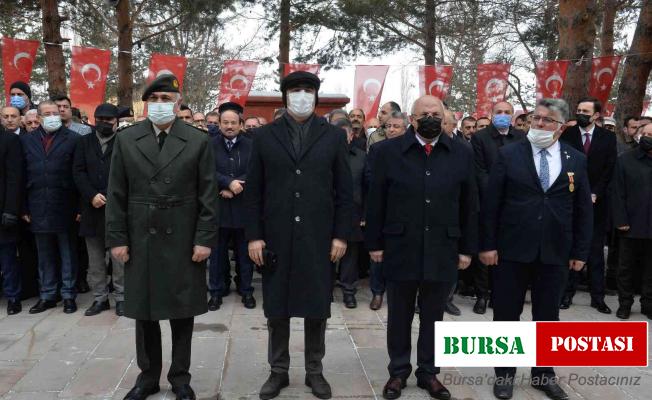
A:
(427, 228)
(152, 231)
(152, 207)
(298, 172)
(168, 180)
(297, 195)
(427, 201)
(297, 219)
(427, 173)
(168, 231)
(540, 217)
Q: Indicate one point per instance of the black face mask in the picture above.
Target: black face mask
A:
(646, 143)
(105, 129)
(429, 127)
(583, 120)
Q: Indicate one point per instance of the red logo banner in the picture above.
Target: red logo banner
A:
(492, 86)
(290, 68)
(435, 80)
(551, 76)
(369, 83)
(17, 60)
(237, 78)
(161, 64)
(603, 73)
(88, 72)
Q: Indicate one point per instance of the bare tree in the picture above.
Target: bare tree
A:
(53, 47)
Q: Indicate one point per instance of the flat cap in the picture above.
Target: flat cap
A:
(230, 105)
(163, 83)
(125, 112)
(106, 110)
(299, 78)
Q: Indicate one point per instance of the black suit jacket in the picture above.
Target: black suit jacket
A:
(632, 189)
(523, 222)
(422, 210)
(91, 173)
(357, 162)
(11, 181)
(231, 166)
(486, 143)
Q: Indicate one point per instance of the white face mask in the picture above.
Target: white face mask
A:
(370, 131)
(541, 139)
(301, 104)
(160, 113)
(51, 123)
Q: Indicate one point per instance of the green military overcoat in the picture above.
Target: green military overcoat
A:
(161, 204)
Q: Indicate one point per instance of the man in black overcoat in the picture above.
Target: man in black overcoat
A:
(299, 202)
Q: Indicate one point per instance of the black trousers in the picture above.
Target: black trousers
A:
(511, 281)
(401, 296)
(635, 263)
(278, 346)
(480, 274)
(595, 263)
(149, 356)
(349, 271)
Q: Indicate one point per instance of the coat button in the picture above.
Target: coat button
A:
(168, 180)
(427, 173)
(297, 219)
(152, 181)
(152, 231)
(427, 228)
(427, 201)
(168, 231)
(152, 207)
(298, 172)
(297, 195)
(540, 217)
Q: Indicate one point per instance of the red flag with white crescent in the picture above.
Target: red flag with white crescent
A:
(435, 80)
(290, 68)
(237, 78)
(369, 83)
(492, 86)
(161, 64)
(88, 73)
(17, 60)
(603, 73)
(550, 78)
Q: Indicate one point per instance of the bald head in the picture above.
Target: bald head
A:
(426, 106)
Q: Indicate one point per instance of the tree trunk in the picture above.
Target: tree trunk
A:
(551, 39)
(637, 67)
(125, 46)
(607, 31)
(429, 25)
(53, 51)
(576, 25)
(284, 37)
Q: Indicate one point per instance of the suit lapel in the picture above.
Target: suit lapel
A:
(59, 138)
(529, 161)
(147, 144)
(566, 159)
(317, 128)
(174, 144)
(280, 132)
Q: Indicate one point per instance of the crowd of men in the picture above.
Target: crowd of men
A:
(426, 205)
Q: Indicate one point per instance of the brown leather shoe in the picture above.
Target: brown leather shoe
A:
(434, 388)
(392, 389)
(376, 302)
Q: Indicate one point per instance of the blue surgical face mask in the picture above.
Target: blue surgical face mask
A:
(18, 102)
(502, 121)
(160, 113)
(51, 123)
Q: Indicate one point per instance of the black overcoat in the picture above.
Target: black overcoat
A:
(11, 182)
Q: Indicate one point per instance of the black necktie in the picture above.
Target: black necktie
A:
(229, 145)
(161, 139)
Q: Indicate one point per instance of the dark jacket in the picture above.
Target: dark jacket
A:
(161, 204)
(11, 185)
(91, 173)
(357, 158)
(52, 201)
(422, 210)
(486, 143)
(231, 166)
(632, 190)
(523, 222)
(297, 204)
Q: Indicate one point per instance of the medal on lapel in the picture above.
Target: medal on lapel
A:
(571, 182)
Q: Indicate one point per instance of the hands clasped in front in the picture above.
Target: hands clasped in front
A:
(255, 247)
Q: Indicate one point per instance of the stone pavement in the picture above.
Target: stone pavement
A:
(57, 356)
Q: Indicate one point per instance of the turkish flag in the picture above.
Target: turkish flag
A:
(88, 73)
(435, 80)
(290, 68)
(603, 73)
(492, 86)
(17, 60)
(160, 64)
(237, 78)
(550, 78)
(369, 83)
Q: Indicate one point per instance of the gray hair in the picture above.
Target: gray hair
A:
(46, 103)
(558, 106)
(399, 115)
(338, 111)
(32, 111)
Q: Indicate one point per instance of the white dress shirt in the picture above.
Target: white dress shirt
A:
(583, 132)
(423, 142)
(554, 160)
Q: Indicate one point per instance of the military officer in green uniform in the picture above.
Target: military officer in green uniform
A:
(161, 221)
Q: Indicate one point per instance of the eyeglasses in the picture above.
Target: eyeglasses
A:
(546, 120)
(424, 115)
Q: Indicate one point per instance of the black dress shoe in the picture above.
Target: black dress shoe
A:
(119, 308)
(272, 387)
(214, 303)
(14, 307)
(69, 306)
(565, 303)
(319, 385)
(97, 307)
(184, 392)
(350, 301)
(392, 389)
(623, 312)
(434, 388)
(480, 306)
(552, 390)
(141, 392)
(42, 305)
(82, 286)
(249, 301)
(452, 309)
(503, 388)
(601, 306)
(376, 302)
